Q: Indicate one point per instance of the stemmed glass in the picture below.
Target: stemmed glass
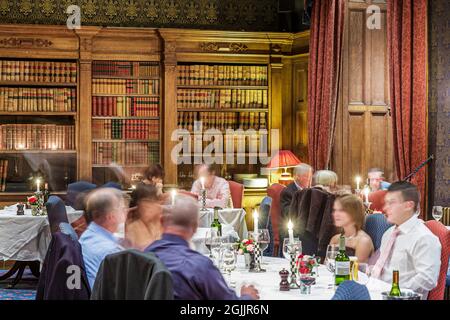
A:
(288, 247)
(213, 242)
(263, 240)
(229, 261)
(332, 251)
(437, 212)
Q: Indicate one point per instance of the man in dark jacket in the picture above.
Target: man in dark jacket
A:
(302, 180)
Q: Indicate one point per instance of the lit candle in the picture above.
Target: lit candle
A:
(133, 186)
(174, 194)
(202, 181)
(38, 182)
(291, 232)
(255, 224)
(358, 181)
(366, 194)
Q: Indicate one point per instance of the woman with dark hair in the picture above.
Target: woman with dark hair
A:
(154, 175)
(348, 215)
(143, 225)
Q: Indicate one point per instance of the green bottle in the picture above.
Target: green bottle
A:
(342, 269)
(216, 223)
(395, 290)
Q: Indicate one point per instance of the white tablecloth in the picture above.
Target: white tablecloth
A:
(27, 237)
(233, 217)
(268, 282)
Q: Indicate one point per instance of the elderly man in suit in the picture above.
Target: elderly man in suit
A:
(302, 179)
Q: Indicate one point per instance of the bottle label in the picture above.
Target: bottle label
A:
(342, 268)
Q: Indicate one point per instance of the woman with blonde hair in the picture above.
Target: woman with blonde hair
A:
(325, 179)
(349, 215)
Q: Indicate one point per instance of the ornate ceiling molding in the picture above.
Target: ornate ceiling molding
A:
(15, 42)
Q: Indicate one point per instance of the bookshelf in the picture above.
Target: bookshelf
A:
(125, 118)
(224, 97)
(38, 112)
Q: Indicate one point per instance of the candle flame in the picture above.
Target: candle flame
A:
(174, 193)
(358, 179)
(290, 225)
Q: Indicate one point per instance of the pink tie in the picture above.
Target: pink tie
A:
(378, 268)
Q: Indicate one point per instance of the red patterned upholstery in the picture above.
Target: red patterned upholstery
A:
(440, 231)
(377, 199)
(274, 192)
(237, 193)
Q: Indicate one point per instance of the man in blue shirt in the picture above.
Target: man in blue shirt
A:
(108, 210)
(194, 275)
(376, 180)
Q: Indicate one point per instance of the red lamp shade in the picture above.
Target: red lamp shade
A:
(283, 159)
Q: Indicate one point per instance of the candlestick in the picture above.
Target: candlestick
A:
(173, 194)
(291, 232)
(366, 194)
(38, 182)
(255, 224)
(358, 181)
(202, 181)
(293, 252)
(203, 198)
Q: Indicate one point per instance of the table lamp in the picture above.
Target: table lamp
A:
(284, 159)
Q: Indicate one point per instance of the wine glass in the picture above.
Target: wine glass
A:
(289, 247)
(360, 273)
(210, 238)
(229, 261)
(263, 239)
(437, 212)
(332, 251)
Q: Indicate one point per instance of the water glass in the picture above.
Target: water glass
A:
(289, 248)
(437, 212)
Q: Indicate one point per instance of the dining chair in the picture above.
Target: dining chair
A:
(237, 193)
(274, 192)
(375, 226)
(377, 200)
(56, 213)
(440, 231)
(351, 290)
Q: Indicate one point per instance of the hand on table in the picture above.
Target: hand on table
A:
(251, 291)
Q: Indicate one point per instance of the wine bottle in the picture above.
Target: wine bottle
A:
(342, 269)
(395, 290)
(216, 223)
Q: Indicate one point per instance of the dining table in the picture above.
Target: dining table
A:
(25, 239)
(268, 282)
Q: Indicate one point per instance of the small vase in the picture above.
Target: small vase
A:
(34, 210)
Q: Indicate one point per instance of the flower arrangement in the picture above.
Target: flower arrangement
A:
(306, 264)
(36, 202)
(32, 201)
(246, 246)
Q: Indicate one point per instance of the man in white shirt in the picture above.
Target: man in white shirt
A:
(217, 189)
(408, 246)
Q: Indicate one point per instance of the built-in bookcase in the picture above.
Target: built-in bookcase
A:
(38, 110)
(125, 118)
(222, 96)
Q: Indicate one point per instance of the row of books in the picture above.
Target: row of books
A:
(124, 69)
(38, 99)
(222, 75)
(121, 153)
(232, 145)
(37, 137)
(223, 120)
(38, 71)
(3, 174)
(223, 98)
(125, 106)
(125, 86)
(125, 129)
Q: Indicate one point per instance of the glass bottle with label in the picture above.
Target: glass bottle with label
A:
(216, 223)
(395, 290)
(342, 268)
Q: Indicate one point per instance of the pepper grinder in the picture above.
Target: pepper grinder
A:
(20, 210)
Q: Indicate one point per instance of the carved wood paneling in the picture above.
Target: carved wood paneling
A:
(363, 137)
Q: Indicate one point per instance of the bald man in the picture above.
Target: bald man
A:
(194, 275)
(108, 209)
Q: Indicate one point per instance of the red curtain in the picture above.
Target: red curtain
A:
(407, 43)
(327, 23)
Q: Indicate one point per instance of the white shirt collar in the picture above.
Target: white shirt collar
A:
(299, 187)
(409, 224)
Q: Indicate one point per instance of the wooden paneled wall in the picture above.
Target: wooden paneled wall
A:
(363, 137)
